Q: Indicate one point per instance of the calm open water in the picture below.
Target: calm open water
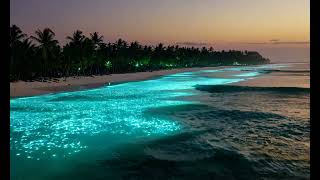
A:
(181, 126)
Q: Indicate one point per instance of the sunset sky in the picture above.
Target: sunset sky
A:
(270, 26)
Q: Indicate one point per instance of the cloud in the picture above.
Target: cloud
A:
(274, 40)
(255, 43)
(291, 42)
(193, 44)
(277, 41)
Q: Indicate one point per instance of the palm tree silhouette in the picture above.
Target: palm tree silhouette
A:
(15, 35)
(15, 38)
(46, 41)
(77, 38)
(25, 63)
(96, 39)
(89, 55)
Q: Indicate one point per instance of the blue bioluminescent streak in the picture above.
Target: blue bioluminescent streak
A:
(59, 125)
(249, 74)
(255, 68)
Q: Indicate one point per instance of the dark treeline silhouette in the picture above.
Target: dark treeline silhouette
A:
(41, 56)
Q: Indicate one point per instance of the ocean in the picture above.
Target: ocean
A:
(192, 125)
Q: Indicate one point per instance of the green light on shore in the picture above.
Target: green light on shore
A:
(108, 65)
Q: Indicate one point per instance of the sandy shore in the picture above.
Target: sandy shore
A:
(283, 78)
(21, 88)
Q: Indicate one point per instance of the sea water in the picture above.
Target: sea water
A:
(94, 134)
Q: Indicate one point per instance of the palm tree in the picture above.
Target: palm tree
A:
(77, 38)
(25, 64)
(160, 47)
(47, 43)
(15, 35)
(119, 49)
(15, 39)
(91, 55)
(96, 39)
(99, 48)
(158, 55)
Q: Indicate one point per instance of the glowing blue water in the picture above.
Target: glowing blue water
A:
(59, 125)
(249, 74)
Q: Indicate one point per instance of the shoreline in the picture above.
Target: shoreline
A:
(286, 77)
(26, 89)
(276, 79)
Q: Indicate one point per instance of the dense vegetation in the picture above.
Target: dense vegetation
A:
(41, 56)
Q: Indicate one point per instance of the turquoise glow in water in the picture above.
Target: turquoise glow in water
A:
(249, 74)
(59, 125)
(255, 68)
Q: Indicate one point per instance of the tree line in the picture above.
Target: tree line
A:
(38, 56)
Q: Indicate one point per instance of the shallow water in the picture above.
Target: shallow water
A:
(177, 126)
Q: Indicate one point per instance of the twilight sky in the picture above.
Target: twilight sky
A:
(279, 29)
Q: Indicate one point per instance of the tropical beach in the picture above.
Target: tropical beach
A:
(159, 90)
(275, 79)
(22, 88)
(167, 107)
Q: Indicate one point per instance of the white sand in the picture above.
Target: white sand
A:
(21, 88)
(274, 79)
